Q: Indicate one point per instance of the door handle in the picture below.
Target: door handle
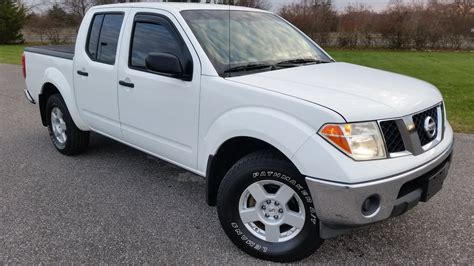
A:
(126, 84)
(82, 73)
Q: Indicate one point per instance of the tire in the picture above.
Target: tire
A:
(66, 137)
(236, 203)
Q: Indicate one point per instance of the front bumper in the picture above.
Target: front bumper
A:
(339, 206)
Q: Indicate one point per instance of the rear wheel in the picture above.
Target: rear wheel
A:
(265, 208)
(66, 137)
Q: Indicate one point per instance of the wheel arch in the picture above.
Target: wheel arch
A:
(55, 82)
(47, 90)
(251, 127)
(227, 155)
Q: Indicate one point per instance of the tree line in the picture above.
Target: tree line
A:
(401, 25)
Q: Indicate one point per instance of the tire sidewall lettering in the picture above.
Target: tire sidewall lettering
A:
(246, 240)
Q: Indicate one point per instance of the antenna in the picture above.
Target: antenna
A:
(229, 65)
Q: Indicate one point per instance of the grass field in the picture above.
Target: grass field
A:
(451, 72)
(11, 54)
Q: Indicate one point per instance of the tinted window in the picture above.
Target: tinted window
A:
(94, 36)
(109, 38)
(103, 37)
(153, 37)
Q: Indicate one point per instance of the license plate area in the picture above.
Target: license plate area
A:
(429, 183)
(434, 183)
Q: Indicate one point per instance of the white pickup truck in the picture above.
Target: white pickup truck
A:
(295, 147)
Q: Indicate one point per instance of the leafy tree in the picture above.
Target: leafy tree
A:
(12, 19)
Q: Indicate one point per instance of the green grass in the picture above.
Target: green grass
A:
(11, 54)
(451, 72)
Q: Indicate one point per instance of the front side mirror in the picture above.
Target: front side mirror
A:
(164, 63)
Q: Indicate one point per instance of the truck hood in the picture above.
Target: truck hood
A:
(357, 93)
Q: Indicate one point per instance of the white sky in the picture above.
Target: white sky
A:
(339, 4)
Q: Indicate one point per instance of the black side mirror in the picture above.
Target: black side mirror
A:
(164, 63)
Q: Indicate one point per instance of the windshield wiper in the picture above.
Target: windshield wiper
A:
(248, 67)
(301, 61)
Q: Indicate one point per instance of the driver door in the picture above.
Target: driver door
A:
(158, 112)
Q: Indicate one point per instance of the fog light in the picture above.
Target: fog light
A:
(370, 205)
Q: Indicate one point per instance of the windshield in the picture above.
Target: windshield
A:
(256, 41)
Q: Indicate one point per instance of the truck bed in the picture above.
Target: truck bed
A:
(48, 64)
(62, 51)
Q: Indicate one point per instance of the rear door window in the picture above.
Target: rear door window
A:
(103, 37)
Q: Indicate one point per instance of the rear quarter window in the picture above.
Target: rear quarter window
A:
(94, 36)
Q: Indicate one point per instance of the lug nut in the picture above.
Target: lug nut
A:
(280, 210)
(277, 203)
(263, 207)
(267, 215)
(269, 201)
(276, 216)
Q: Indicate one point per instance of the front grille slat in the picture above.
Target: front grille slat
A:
(419, 120)
(393, 138)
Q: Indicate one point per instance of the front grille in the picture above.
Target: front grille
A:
(419, 120)
(393, 138)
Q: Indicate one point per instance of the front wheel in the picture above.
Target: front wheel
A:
(265, 208)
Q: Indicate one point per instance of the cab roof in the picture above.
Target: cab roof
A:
(177, 7)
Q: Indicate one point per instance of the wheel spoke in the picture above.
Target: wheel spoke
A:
(294, 219)
(272, 232)
(249, 215)
(284, 194)
(54, 115)
(63, 137)
(62, 124)
(257, 192)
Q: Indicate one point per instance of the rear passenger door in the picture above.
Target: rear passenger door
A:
(158, 112)
(95, 71)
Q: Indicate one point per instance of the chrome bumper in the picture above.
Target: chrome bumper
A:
(340, 206)
(28, 96)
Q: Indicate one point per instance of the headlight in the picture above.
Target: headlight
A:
(361, 141)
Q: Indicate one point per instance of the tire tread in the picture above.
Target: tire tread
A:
(78, 140)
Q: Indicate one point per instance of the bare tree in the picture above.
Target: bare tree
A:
(317, 18)
(356, 26)
(80, 7)
(261, 4)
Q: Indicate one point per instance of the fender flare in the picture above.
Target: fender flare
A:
(58, 80)
(283, 131)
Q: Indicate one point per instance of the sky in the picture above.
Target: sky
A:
(377, 5)
(339, 4)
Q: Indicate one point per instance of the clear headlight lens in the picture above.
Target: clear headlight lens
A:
(361, 141)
